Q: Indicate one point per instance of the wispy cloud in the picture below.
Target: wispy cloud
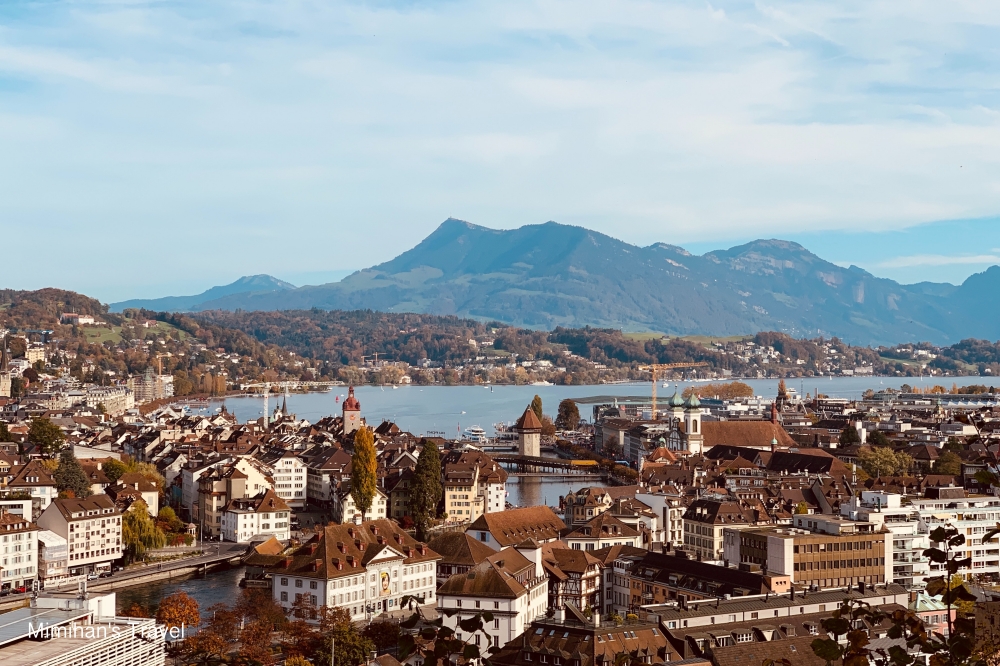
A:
(340, 122)
(916, 260)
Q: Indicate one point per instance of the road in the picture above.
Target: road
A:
(214, 552)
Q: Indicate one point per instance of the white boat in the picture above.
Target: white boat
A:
(475, 433)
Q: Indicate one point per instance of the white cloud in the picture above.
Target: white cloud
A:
(940, 260)
(344, 121)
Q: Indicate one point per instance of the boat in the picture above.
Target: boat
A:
(475, 433)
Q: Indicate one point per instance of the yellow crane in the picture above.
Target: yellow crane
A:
(656, 368)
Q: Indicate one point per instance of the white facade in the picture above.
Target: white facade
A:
(346, 510)
(910, 567)
(19, 543)
(92, 528)
(971, 516)
(290, 482)
(377, 587)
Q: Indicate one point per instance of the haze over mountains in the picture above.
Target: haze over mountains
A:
(552, 275)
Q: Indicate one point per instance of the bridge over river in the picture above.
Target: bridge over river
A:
(532, 466)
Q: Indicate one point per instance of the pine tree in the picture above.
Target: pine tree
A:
(425, 491)
(364, 469)
(69, 475)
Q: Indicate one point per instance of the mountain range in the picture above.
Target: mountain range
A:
(549, 275)
(247, 285)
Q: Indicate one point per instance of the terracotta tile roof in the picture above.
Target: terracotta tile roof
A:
(756, 434)
(604, 526)
(515, 525)
(341, 550)
(528, 421)
(460, 548)
(502, 574)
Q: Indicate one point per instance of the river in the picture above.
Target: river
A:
(218, 586)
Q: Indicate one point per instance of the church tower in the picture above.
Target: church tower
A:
(5, 385)
(351, 413)
(529, 434)
(692, 425)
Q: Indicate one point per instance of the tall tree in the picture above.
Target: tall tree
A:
(364, 468)
(69, 475)
(139, 532)
(46, 435)
(4, 432)
(113, 469)
(425, 491)
(536, 406)
(568, 415)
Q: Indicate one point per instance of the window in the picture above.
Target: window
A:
(284, 596)
(298, 582)
(527, 656)
(284, 581)
(312, 585)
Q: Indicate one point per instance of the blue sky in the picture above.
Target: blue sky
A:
(154, 148)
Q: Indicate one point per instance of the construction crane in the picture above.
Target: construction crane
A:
(656, 368)
(282, 385)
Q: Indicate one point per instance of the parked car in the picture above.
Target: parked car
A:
(117, 567)
(105, 574)
(5, 592)
(92, 576)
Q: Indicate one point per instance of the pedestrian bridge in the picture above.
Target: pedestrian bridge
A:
(534, 466)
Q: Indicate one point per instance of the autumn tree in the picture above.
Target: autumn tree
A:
(364, 468)
(69, 475)
(178, 610)
(425, 490)
(46, 435)
(135, 610)
(568, 416)
(139, 532)
(352, 647)
(883, 461)
(536, 406)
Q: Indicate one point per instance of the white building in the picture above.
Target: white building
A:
(53, 557)
(910, 567)
(19, 541)
(289, 474)
(972, 515)
(256, 519)
(345, 510)
(511, 584)
(92, 528)
(366, 569)
(602, 531)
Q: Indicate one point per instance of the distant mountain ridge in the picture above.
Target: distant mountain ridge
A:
(549, 275)
(246, 285)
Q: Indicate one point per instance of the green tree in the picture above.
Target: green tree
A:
(353, 648)
(849, 435)
(948, 463)
(364, 468)
(69, 475)
(536, 406)
(568, 415)
(139, 532)
(4, 432)
(801, 508)
(880, 461)
(878, 438)
(113, 469)
(425, 491)
(46, 435)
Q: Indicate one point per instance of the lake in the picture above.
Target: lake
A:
(452, 409)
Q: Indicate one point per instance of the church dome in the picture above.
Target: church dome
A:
(676, 400)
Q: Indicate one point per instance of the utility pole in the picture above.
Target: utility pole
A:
(333, 652)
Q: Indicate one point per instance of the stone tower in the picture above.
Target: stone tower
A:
(4, 371)
(529, 434)
(351, 413)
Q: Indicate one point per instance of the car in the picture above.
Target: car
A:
(5, 592)
(105, 574)
(92, 576)
(21, 590)
(117, 568)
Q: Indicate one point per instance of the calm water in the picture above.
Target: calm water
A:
(220, 586)
(452, 409)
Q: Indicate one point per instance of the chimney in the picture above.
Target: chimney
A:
(597, 619)
(561, 614)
